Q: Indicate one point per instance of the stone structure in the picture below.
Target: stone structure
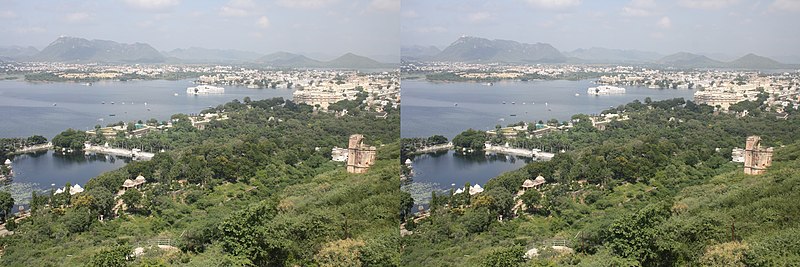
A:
(359, 155)
(756, 158)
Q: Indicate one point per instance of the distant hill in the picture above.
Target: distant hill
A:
(689, 60)
(475, 49)
(753, 61)
(198, 54)
(606, 55)
(349, 60)
(286, 59)
(17, 52)
(72, 49)
(418, 52)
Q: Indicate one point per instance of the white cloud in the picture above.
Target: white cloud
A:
(77, 17)
(707, 4)
(431, 29)
(635, 12)
(554, 4)
(263, 22)
(479, 16)
(785, 5)
(385, 5)
(153, 4)
(227, 11)
(309, 4)
(8, 14)
(639, 8)
(664, 23)
(237, 8)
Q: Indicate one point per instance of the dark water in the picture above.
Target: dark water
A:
(27, 108)
(38, 171)
(428, 108)
(439, 171)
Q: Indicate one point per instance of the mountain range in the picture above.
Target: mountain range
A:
(348, 60)
(73, 49)
(475, 49)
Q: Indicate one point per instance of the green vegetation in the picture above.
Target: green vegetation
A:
(258, 189)
(470, 139)
(656, 190)
(70, 138)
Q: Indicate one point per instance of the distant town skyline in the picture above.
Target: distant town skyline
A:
(312, 27)
(723, 27)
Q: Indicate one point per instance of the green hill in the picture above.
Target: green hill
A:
(656, 190)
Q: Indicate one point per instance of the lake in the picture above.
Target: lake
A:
(38, 171)
(48, 108)
(429, 108)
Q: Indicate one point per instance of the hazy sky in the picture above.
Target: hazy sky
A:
(734, 27)
(366, 27)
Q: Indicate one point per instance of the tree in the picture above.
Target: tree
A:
(504, 257)
(406, 204)
(6, 204)
(531, 198)
(342, 253)
(131, 198)
(111, 257)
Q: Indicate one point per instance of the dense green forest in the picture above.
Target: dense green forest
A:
(656, 190)
(258, 189)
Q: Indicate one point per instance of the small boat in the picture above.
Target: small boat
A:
(545, 104)
(513, 115)
(148, 109)
(513, 103)
(502, 119)
(123, 103)
(112, 115)
(577, 94)
(504, 102)
(54, 104)
(176, 94)
(455, 104)
(104, 102)
(112, 102)
(489, 84)
(145, 103)
(523, 103)
(100, 119)
(88, 84)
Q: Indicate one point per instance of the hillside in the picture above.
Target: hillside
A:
(285, 59)
(656, 190)
(418, 52)
(17, 52)
(752, 61)
(474, 49)
(248, 191)
(198, 54)
(605, 55)
(689, 60)
(350, 60)
(72, 49)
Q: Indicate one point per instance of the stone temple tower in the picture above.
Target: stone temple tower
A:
(360, 156)
(756, 158)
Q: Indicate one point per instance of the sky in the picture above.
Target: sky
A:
(730, 27)
(324, 27)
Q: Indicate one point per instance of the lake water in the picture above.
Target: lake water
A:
(28, 108)
(428, 109)
(38, 171)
